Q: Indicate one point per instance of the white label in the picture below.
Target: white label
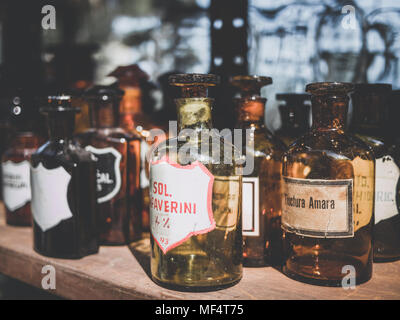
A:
(108, 172)
(49, 196)
(387, 177)
(144, 149)
(16, 184)
(250, 207)
(318, 208)
(180, 202)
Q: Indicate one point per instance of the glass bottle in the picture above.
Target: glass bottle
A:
(63, 180)
(118, 167)
(16, 164)
(371, 105)
(261, 202)
(328, 195)
(195, 198)
(295, 114)
(135, 82)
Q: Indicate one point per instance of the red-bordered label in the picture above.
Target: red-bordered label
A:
(180, 202)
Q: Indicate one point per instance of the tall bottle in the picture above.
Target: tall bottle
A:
(16, 164)
(135, 82)
(371, 105)
(63, 180)
(261, 202)
(295, 114)
(195, 198)
(118, 166)
(328, 195)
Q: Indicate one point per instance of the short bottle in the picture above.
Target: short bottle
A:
(195, 198)
(328, 195)
(16, 164)
(118, 165)
(63, 180)
(261, 196)
(371, 107)
(295, 114)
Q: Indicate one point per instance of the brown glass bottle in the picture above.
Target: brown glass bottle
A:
(261, 204)
(118, 167)
(295, 113)
(371, 106)
(63, 180)
(328, 195)
(16, 166)
(135, 82)
(195, 206)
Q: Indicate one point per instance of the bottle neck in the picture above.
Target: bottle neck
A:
(329, 112)
(103, 115)
(294, 117)
(131, 102)
(250, 111)
(61, 125)
(194, 113)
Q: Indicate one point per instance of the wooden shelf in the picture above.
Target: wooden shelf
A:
(123, 273)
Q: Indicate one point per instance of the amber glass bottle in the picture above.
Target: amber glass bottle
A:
(16, 165)
(63, 180)
(195, 198)
(261, 202)
(328, 195)
(295, 114)
(118, 166)
(371, 106)
(135, 82)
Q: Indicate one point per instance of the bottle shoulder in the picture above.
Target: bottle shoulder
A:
(67, 153)
(331, 143)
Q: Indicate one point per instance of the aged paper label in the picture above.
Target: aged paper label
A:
(250, 207)
(318, 208)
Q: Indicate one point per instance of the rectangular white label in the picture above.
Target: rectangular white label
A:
(250, 207)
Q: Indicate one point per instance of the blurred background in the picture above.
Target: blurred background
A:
(294, 42)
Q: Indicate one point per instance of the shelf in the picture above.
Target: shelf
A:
(123, 273)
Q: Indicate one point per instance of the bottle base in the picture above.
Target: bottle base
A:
(196, 287)
(66, 256)
(321, 281)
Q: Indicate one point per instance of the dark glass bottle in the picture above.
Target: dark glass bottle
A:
(328, 195)
(133, 118)
(195, 198)
(261, 195)
(118, 167)
(16, 164)
(63, 180)
(371, 107)
(295, 113)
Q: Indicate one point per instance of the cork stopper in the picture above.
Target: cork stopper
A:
(250, 86)
(194, 84)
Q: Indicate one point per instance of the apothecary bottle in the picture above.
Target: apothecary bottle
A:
(118, 165)
(371, 123)
(295, 114)
(328, 195)
(63, 180)
(195, 198)
(15, 164)
(261, 192)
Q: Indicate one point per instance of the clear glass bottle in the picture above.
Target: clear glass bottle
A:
(118, 167)
(295, 113)
(328, 195)
(195, 198)
(261, 204)
(16, 164)
(63, 181)
(371, 106)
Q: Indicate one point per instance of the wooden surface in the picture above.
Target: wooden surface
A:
(123, 273)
